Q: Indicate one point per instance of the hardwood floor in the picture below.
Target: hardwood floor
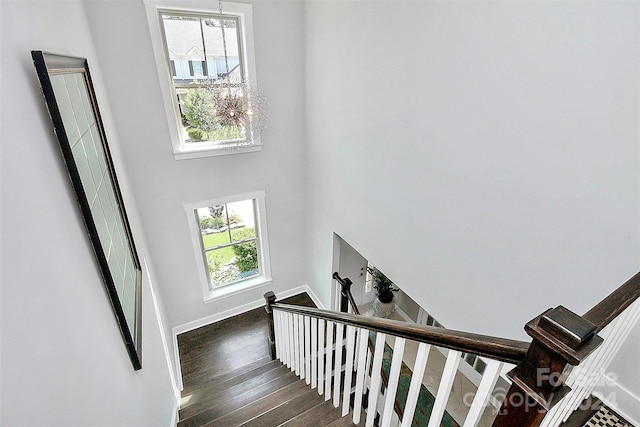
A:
(229, 378)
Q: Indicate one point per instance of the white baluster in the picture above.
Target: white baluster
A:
(283, 348)
(356, 354)
(363, 340)
(584, 377)
(448, 375)
(376, 378)
(276, 333)
(283, 337)
(337, 376)
(348, 371)
(288, 324)
(291, 334)
(296, 345)
(314, 352)
(276, 330)
(301, 347)
(487, 383)
(307, 349)
(321, 353)
(416, 383)
(329, 361)
(394, 377)
(577, 381)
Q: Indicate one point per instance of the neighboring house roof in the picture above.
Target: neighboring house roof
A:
(185, 35)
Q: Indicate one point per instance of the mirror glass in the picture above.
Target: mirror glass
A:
(68, 91)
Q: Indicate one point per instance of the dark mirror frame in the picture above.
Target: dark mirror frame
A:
(48, 66)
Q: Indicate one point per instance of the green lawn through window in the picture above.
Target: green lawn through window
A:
(215, 239)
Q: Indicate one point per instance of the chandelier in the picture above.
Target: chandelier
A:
(237, 105)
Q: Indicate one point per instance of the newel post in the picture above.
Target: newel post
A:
(270, 299)
(345, 294)
(560, 338)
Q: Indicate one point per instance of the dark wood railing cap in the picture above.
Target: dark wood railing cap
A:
(567, 326)
(270, 299)
(565, 333)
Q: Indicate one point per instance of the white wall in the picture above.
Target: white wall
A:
(495, 171)
(63, 359)
(163, 185)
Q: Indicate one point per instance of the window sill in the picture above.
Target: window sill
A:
(236, 288)
(210, 151)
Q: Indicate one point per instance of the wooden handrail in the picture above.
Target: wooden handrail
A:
(609, 308)
(346, 291)
(560, 338)
(506, 350)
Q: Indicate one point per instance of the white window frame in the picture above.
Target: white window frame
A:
(244, 12)
(261, 279)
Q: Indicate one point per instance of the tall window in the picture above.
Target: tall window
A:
(188, 36)
(230, 241)
(192, 38)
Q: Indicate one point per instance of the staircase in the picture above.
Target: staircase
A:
(264, 394)
(230, 379)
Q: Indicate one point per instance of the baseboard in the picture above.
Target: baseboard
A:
(176, 410)
(176, 355)
(620, 399)
(176, 383)
(242, 309)
(230, 313)
(204, 321)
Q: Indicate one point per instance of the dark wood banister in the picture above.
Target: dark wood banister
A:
(559, 338)
(346, 291)
(503, 349)
(609, 308)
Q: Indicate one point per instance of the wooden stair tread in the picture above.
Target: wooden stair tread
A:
(211, 388)
(236, 402)
(348, 420)
(209, 370)
(279, 414)
(319, 416)
(202, 399)
(260, 406)
(230, 377)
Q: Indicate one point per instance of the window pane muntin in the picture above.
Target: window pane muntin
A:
(229, 245)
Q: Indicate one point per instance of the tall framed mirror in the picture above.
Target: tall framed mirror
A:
(69, 95)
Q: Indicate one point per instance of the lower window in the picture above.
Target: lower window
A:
(230, 242)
